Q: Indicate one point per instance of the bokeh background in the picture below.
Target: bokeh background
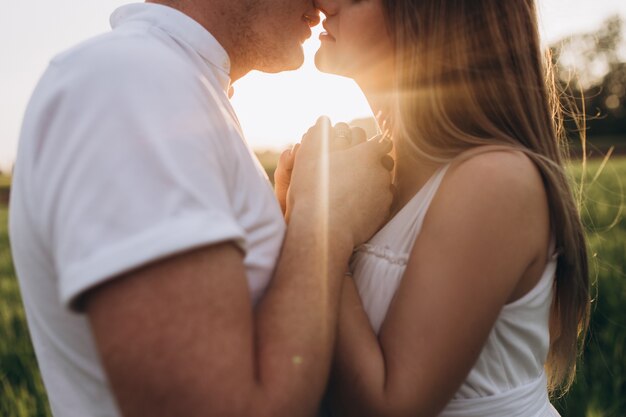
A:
(588, 44)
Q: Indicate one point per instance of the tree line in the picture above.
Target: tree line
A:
(591, 74)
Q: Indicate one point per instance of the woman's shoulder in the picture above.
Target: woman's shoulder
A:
(505, 176)
(498, 166)
(496, 194)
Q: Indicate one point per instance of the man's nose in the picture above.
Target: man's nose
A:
(313, 17)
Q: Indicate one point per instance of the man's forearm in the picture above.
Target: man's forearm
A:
(296, 321)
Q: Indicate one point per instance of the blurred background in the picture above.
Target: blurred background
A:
(588, 44)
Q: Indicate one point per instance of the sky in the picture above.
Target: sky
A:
(274, 110)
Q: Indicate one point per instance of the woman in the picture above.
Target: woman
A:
(479, 281)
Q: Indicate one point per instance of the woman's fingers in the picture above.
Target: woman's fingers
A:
(342, 136)
(358, 136)
(380, 144)
(387, 162)
(346, 136)
(324, 137)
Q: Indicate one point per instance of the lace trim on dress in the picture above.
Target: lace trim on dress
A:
(383, 253)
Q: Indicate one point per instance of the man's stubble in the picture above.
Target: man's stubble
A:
(260, 41)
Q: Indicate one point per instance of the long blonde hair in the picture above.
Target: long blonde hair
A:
(470, 73)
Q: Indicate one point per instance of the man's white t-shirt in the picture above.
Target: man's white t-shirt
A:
(130, 152)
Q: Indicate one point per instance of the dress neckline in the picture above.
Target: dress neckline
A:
(416, 198)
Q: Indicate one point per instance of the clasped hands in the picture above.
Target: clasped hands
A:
(338, 174)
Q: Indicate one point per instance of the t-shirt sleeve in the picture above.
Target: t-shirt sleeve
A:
(136, 168)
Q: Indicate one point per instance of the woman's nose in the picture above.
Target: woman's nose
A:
(328, 7)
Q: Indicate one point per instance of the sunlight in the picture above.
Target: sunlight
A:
(323, 198)
(275, 110)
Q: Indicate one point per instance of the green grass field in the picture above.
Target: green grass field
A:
(600, 390)
(5, 180)
(21, 391)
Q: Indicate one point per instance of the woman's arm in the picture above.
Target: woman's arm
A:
(486, 227)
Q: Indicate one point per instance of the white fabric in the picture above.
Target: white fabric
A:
(530, 399)
(130, 152)
(517, 347)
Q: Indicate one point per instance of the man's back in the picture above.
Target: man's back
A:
(130, 152)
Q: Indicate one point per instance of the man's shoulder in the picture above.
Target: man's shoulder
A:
(121, 54)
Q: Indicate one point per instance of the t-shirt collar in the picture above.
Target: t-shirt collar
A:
(182, 27)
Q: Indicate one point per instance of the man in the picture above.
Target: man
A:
(145, 234)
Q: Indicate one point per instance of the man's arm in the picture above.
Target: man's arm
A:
(179, 337)
(169, 333)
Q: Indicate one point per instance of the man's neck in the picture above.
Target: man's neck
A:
(215, 17)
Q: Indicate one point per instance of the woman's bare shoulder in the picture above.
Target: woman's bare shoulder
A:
(506, 176)
(498, 195)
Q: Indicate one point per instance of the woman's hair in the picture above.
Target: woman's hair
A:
(470, 73)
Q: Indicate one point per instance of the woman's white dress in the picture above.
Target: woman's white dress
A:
(508, 379)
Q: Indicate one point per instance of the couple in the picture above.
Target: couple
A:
(160, 277)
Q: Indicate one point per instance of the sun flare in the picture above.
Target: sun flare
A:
(275, 110)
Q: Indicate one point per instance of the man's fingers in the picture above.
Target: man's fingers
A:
(317, 134)
(323, 122)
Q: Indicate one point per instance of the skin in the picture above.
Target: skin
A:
(484, 243)
(286, 161)
(356, 44)
(180, 336)
(264, 35)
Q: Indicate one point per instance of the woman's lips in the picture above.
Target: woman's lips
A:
(326, 36)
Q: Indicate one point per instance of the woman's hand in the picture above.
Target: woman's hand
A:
(340, 179)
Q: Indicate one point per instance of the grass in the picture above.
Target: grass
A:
(5, 181)
(600, 389)
(601, 383)
(5, 186)
(21, 391)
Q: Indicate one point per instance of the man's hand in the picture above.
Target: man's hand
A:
(180, 336)
(343, 137)
(344, 178)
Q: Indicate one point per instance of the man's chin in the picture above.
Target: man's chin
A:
(289, 62)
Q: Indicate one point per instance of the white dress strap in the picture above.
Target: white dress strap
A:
(429, 195)
(404, 226)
